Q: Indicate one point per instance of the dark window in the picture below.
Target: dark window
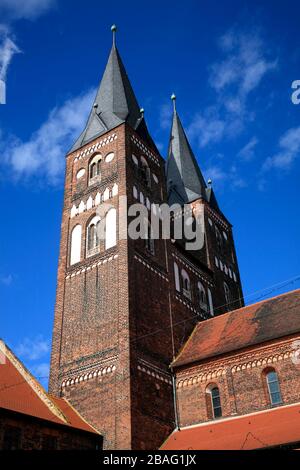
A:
(219, 239)
(49, 442)
(202, 297)
(186, 285)
(94, 236)
(95, 168)
(149, 240)
(12, 438)
(273, 388)
(93, 171)
(227, 294)
(216, 402)
(91, 236)
(145, 174)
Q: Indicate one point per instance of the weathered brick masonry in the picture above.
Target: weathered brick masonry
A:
(235, 353)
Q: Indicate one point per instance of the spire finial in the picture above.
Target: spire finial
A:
(209, 182)
(113, 30)
(173, 98)
(142, 111)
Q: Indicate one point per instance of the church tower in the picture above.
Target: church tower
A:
(125, 306)
(186, 186)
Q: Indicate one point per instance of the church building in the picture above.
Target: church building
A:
(126, 307)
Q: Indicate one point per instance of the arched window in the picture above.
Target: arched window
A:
(109, 157)
(145, 172)
(75, 256)
(176, 275)
(94, 168)
(149, 241)
(135, 160)
(219, 239)
(111, 228)
(273, 387)
(202, 296)
(215, 410)
(227, 294)
(210, 302)
(93, 236)
(186, 284)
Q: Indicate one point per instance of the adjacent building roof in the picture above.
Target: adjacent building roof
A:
(115, 103)
(185, 182)
(20, 392)
(270, 319)
(269, 428)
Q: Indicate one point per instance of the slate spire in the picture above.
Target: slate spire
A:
(115, 103)
(185, 182)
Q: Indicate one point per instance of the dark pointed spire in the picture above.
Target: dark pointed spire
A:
(114, 104)
(185, 182)
(114, 30)
(210, 196)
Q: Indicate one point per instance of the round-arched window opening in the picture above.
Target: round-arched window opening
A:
(215, 400)
(109, 157)
(80, 173)
(273, 386)
(94, 168)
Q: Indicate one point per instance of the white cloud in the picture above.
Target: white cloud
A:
(289, 150)
(215, 174)
(7, 50)
(33, 349)
(261, 184)
(244, 66)
(212, 126)
(221, 177)
(43, 154)
(207, 127)
(165, 116)
(40, 371)
(6, 280)
(11, 10)
(233, 78)
(26, 9)
(247, 153)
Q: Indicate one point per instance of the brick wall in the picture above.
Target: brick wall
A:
(91, 318)
(241, 380)
(34, 434)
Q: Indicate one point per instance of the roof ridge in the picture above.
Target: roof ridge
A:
(78, 414)
(37, 388)
(220, 322)
(250, 305)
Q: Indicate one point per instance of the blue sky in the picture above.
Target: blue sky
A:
(231, 65)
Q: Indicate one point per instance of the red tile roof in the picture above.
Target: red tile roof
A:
(247, 326)
(20, 392)
(74, 418)
(263, 429)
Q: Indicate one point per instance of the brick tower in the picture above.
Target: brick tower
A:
(125, 306)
